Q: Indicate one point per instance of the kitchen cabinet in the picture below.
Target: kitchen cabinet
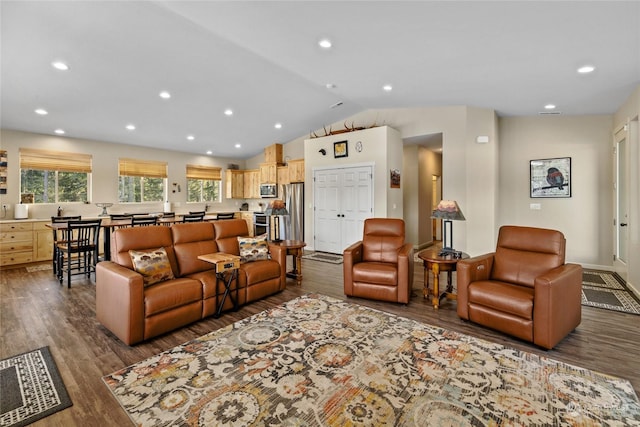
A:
(252, 184)
(234, 184)
(43, 241)
(248, 217)
(283, 175)
(296, 170)
(268, 173)
(16, 243)
(273, 153)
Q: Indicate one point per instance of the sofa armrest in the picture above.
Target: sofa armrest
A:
(557, 308)
(405, 272)
(279, 254)
(350, 256)
(120, 301)
(468, 271)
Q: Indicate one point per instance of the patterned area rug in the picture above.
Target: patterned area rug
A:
(31, 388)
(324, 257)
(319, 361)
(607, 290)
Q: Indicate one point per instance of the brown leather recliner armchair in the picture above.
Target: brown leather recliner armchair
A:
(380, 266)
(524, 288)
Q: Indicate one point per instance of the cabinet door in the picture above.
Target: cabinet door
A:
(283, 175)
(296, 170)
(252, 184)
(234, 184)
(268, 173)
(43, 242)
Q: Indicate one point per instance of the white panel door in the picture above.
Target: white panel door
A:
(343, 199)
(356, 204)
(326, 193)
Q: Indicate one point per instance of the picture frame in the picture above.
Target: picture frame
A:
(340, 149)
(550, 178)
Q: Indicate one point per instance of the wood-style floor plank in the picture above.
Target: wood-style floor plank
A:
(35, 310)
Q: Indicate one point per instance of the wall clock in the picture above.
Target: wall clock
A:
(359, 146)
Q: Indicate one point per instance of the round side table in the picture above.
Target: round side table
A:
(434, 262)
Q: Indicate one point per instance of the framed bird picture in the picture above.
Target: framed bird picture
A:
(550, 177)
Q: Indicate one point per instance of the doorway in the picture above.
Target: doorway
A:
(621, 220)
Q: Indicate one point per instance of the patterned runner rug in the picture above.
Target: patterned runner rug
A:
(31, 388)
(324, 257)
(604, 289)
(319, 361)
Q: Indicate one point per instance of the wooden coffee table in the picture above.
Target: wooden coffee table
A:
(294, 248)
(434, 262)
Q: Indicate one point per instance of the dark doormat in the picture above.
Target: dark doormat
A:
(605, 289)
(31, 388)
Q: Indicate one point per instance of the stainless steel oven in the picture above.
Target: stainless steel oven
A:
(260, 223)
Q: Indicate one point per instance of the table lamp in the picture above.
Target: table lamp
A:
(449, 211)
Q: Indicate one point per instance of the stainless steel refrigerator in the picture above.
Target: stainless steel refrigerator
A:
(293, 197)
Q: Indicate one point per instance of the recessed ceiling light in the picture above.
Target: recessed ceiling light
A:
(59, 131)
(59, 65)
(387, 88)
(238, 145)
(585, 69)
(549, 107)
(130, 127)
(41, 111)
(191, 137)
(325, 43)
(278, 126)
(330, 86)
(228, 112)
(165, 95)
(209, 152)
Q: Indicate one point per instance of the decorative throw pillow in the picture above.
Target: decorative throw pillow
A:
(253, 248)
(152, 264)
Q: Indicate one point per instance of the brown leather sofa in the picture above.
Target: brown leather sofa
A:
(524, 288)
(136, 313)
(380, 266)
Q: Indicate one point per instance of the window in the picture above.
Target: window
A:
(141, 181)
(54, 177)
(204, 183)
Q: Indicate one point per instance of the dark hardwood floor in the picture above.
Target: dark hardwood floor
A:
(36, 311)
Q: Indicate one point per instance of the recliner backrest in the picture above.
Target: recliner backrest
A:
(227, 233)
(382, 237)
(191, 240)
(524, 253)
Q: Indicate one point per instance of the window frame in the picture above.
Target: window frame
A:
(203, 174)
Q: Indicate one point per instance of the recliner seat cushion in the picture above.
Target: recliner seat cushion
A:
(503, 297)
(171, 294)
(378, 273)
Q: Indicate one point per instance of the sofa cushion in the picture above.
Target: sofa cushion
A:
(191, 240)
(153, 264)
(378, 273)
(253, 248)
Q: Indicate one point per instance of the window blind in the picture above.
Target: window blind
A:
(32, 158)
(204, 172)
(145, 168)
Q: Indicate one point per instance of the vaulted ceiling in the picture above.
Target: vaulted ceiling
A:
(261, 61)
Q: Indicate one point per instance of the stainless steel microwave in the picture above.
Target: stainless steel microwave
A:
(268, 190)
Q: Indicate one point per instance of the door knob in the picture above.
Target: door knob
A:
(623, 224)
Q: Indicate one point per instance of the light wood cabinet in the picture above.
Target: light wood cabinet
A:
(252, 184)
(248, 217)
(268, 173)
(273, 154)
(296, 170)
(43, 241)
(234, 184)
(16, 243)
(283, 175)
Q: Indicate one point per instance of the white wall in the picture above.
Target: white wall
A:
(381, 147)
(584, 218)
(105, 174)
